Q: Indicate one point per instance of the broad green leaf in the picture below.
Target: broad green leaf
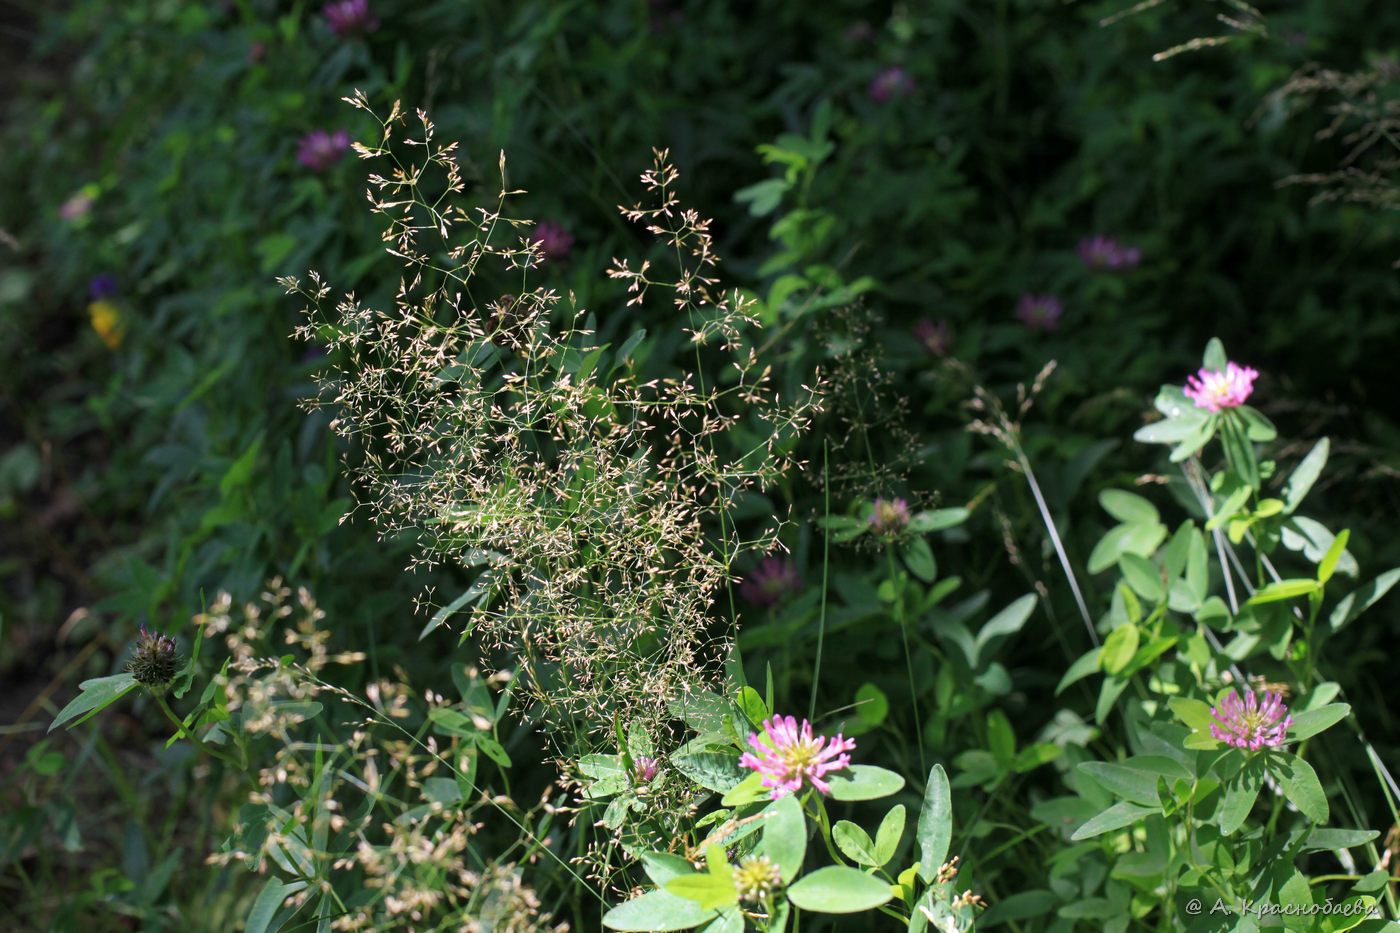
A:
(1304, 475)
(1119, 648)
(872, 706)
(889, 833)
(918, 557)
(838, 889)
(93, 697)
(268, 902)
(714, 767)
(1143, 576)
(935, 827)
(1363, 598)
(855, 843)
(1281, 590)
(1195, 713)
(1005, 623)
(1328, 565)
(785, 836)
(1332, 839)
(864, 782)
(1129, 508)
(937, 520)
(1129, 783)
(656, 912)
(1087, 663)
(1023, 905)
(749, 790)
(1239, 796)
(1215, 359)
(1001, 738)
(1300, 785)
(1117, 816)
(1229, 508)
(661, 867)
(1310, 722)
(709, 890)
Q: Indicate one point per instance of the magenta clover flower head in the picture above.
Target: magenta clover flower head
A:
(771, 582)
(1039, 312)
(555, 242)
(889, 516)
(789, 757)
(1214, 390)
(936, 336)
(319, 149)
(644, 768)
(890, 83)
(1102, 252)
(1250, 723)
(350, 17)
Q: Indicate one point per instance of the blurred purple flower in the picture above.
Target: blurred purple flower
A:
(772, 581)
(1039, 312)
(77, 206)
(889, 84)
(555, 242)
(257, 52)
(889, 516)
(319, 149)
(1102, 252)
(858, 32)
(936, 336)
(664, 15)
(349, 18)
(102, 286)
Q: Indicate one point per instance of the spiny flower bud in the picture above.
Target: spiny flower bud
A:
(155, 661)
(756, 878)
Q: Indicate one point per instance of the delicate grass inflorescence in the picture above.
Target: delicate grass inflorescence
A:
(593, 504)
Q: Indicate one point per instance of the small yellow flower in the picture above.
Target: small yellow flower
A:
(107, 321)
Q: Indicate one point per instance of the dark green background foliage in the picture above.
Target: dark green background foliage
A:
(137, 482)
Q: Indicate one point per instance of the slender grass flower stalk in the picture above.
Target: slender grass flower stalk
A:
(789, 757)
(771, 582)
(1250, 723)
(1214, 390)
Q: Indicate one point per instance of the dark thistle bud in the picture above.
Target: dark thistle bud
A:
(154, 662)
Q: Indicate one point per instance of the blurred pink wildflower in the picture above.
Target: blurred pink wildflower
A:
(1102, 252)
(350, 17)
(790, 757)
(1248, 723)
(319, 149)
(77, 206)
(555, 242)
(771, 582)
(1213, 390)
(889, 516)
(889, 84)
(936, 336)
(1039, 312)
